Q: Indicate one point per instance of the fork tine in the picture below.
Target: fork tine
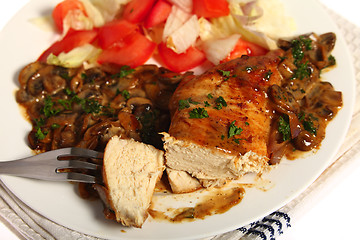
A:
(81, 177)
(80, 152)
(80, 164)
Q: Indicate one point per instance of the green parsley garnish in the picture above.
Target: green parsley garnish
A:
(284, 127)
(220, 102)
(209, 96)
(124, 71)
(125, 93)
(48, 108)
(234, 130)
(302, 71)
(225, 74)
(207, 104)
(183, 103)
(198, 113)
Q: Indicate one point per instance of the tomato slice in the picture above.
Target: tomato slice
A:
(115, 32)
(244, 47)
(136, 10)
(211, 8)
(193, 57)
(158, 14)
(137, 49)
(71, 40)
(62, 9)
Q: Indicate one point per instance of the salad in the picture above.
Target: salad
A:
(178, 34)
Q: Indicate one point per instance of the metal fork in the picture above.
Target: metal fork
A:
(57, 165)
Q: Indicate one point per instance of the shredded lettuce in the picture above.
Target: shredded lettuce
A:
(77, 20)
(223, 27)
(75, 58)
(109, 8)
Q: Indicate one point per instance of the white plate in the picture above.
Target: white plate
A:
(21, 42)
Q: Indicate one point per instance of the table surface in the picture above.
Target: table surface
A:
(333, 217)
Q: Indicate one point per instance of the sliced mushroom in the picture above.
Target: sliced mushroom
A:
(132, 103)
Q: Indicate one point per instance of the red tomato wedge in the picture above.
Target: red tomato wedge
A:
(115, 32)
(158, 14)
(136, 10)
(62, 9)
(137, 49)
(243, 47)
(211, 8)
(183, 61)
(71, 40)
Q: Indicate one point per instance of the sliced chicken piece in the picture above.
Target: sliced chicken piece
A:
(182, 182)
(131, 170)
(221, 119)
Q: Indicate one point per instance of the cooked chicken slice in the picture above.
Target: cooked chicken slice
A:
(182, 182)
(131, 170)
(221, 119)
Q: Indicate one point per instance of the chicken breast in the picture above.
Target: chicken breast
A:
(131, 170)
(221, 119)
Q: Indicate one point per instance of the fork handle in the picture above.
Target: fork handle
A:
(25, 168)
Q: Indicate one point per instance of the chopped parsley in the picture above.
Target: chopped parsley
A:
(207, 104)
(185, 103)
(284, 127)
(299, 46)
(209, 96)
(40, 134)
(49, 109)
(308, 122)
(125, 93)
(198, 113)
(124, 71)
(302, 71)
(225, 74)
(234, 130)
(220, 102)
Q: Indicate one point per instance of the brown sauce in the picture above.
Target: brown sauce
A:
(217, 202)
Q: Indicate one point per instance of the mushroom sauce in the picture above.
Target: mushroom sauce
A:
(86, 107)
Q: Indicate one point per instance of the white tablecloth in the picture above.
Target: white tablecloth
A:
(334, 213)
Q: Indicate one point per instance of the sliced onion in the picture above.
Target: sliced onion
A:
(218, 49)
(175, 20)
(185, 36)
(185, 5)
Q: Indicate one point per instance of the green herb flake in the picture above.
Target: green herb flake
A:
(40, 135)
(124, 71)
(209, 96)
(284, 127)
(302, 71)
(234, 130)
(207, 104)
(183, 103)
(49, 109)
(125, 93)
(198, 113)
(220, 103)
